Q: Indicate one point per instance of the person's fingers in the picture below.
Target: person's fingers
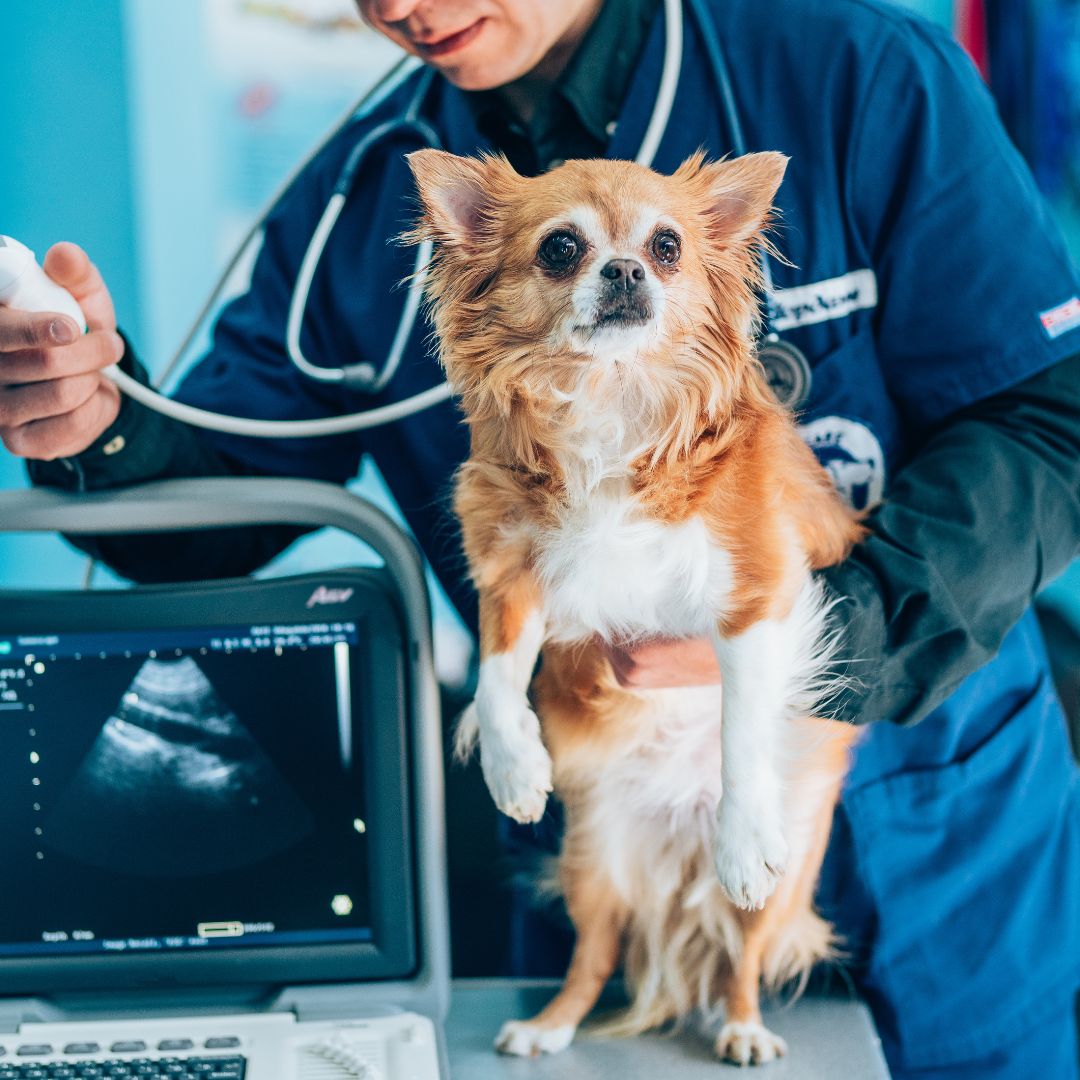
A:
(21, 405)
(41, 329)
(91, 352)
(664, 662)
(69, 433)
(68, 265)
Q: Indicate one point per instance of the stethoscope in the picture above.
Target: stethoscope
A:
(777, 355)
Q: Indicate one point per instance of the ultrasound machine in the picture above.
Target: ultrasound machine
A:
(221, 808)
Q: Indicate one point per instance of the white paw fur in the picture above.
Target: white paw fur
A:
(523, 1038)
(514, 760)
(751, 856)
(746, 1042)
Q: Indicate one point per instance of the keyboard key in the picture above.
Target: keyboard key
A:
(34, 1050)
(82, 1048)
(135, 1046)
(175, 1044)
(222, 1042)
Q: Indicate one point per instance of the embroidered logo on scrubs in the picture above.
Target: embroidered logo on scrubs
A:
(853, 456)
(1062, 319)
(833, 298)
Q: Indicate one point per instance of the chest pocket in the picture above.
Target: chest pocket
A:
(849, 420)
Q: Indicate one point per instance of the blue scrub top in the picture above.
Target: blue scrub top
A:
(925, 273)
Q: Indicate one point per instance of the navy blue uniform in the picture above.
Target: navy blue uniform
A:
(954, 869)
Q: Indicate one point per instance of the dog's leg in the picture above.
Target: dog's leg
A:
(513, 758)
(744, 1039)
(786, 939)
(598, 918)
(751, 848)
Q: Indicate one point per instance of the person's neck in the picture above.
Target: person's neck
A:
(523, 94)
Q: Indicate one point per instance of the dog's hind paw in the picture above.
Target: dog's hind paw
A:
(746, 1042)
(523, 1038)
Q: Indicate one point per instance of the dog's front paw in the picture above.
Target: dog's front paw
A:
(525, 1038)
(515, 763)
(745, 1042)
(751, 857)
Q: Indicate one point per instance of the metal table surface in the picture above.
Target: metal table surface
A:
(828, 1038)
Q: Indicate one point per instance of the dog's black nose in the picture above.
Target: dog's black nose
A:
(624, 273)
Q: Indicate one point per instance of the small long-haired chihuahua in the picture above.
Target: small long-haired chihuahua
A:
(632, 477)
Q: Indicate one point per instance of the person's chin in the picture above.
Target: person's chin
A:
(480, 66)
(469, 78)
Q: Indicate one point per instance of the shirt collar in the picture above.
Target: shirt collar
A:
(597, 77)
(595, 81)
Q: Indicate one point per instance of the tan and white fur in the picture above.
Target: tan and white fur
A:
(631, 477)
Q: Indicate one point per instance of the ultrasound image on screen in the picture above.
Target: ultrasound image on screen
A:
(174, 758)
(190, 797)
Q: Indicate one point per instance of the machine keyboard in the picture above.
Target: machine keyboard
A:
(141, 1068)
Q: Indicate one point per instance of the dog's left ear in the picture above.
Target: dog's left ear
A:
(459, 193)
(742, 192)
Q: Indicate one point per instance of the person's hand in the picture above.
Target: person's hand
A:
(663, 663)
(54, 401)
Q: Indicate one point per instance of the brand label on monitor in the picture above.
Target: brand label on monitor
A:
(323, 595)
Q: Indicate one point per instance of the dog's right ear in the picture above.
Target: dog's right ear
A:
(459, 194)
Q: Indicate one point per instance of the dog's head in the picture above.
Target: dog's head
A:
(596, 265)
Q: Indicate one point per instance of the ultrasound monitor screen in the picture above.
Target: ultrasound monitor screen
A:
(182, 789)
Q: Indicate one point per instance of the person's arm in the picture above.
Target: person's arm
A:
(142, 445)
(58, 411)
(247, 372)
(985, 514)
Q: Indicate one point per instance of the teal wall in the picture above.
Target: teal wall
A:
(65, 174)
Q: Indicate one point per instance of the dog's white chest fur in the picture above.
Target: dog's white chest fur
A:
(606, 568)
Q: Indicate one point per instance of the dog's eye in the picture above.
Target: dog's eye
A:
(560, 251)
(666, 247)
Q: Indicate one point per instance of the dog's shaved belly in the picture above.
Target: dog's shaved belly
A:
(608, 569)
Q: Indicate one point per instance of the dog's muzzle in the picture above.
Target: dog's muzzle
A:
(624, 298)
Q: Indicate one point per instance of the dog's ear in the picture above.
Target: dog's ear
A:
(742, 191)
(459, 193)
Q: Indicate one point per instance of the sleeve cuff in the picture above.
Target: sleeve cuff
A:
(125, 453)
(857, 619)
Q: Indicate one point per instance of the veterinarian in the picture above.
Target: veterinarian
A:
(937, 375)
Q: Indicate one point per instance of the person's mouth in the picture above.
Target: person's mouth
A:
(450, 43)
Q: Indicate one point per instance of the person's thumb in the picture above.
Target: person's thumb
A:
(68, 265)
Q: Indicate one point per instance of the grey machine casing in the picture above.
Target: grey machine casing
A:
(186, 505)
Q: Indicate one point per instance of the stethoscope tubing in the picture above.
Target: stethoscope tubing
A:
(364, 376)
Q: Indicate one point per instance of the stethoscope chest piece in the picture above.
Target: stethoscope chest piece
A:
(787, 370)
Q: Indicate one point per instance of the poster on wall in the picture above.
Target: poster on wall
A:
(283, 72)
